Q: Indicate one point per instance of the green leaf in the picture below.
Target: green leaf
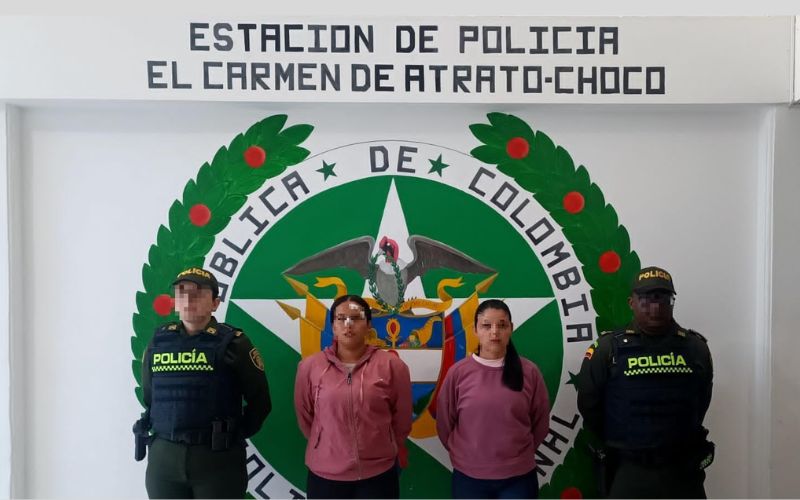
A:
(487, 135)
(138, 346)
(511, 126)
(489, 154)
(206, 178)
(275, 169)
(289, 156)
(270, 126)
(622, 239)
(582, 180)
(594, 198)
(205, 240)
(150, 277)
(190, 195)
(237, 148)
(220, 158)
(178, 216)
(136, 367)
(164, 240)
(231, 204)
(296, 134)
(144, 302)
(138, 391)
(144, 326)
(155, 257)
(249, 185)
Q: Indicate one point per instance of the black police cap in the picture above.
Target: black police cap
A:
(201, 277)
(652, 278)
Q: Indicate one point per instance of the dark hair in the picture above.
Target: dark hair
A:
(512, 368)
(351, 298)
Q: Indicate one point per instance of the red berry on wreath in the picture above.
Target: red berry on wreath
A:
(610, 262)
(199, 215)
(255, 156)
(163, 304)
(518, 148)
(574, 202)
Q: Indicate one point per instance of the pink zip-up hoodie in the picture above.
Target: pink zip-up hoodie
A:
(356, 423)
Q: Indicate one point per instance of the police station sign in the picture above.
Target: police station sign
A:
(446, 59)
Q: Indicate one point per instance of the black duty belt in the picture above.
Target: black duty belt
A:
(187, 437)
(652, 457)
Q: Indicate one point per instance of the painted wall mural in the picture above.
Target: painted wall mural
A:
(424, 232)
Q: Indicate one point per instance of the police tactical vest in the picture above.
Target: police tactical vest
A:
(652, 398)
(191, 384)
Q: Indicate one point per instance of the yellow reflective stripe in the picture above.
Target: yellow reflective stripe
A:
(658, 370)
(183, 368)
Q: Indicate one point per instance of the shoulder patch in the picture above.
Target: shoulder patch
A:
(605, 333)
(238, 333)
(255, 357)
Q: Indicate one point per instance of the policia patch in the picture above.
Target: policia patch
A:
(255, 357)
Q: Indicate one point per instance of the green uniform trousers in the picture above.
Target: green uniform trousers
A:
(634, 480)
(176, 470)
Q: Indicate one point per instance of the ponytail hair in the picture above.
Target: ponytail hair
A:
(512, 368)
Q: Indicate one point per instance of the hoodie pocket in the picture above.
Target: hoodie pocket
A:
(318, 438)
(394, 443)
(376, 443)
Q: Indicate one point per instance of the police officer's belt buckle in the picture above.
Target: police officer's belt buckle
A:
(190, 437)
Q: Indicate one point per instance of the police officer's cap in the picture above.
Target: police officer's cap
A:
(652, 278)
(201, 277)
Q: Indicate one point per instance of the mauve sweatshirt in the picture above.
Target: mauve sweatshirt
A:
(491, 431)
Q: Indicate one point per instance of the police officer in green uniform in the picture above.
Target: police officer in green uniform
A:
(196, 375)
(643, 391)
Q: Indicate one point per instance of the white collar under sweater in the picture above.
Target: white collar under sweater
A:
(494, 363)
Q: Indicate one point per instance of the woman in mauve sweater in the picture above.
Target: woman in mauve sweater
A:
(492, 412)
(353, 404)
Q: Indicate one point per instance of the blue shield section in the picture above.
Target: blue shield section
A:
(403, 331)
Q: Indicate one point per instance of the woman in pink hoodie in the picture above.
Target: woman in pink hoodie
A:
(353, 404)
(492, 413)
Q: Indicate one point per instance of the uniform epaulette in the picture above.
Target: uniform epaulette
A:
(226, 327)
(170, 327)
(622, 331)
(699, 336)
(605, 333)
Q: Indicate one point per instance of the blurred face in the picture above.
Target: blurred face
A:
(350, 325)
(494, 331)
(652, 310)
(194, 304)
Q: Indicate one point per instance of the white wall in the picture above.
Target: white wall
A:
(97, 182)
(6, 119)
(786, 313)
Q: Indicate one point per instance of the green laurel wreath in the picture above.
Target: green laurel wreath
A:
(222, 186)
(549, 174)
(373, 287)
